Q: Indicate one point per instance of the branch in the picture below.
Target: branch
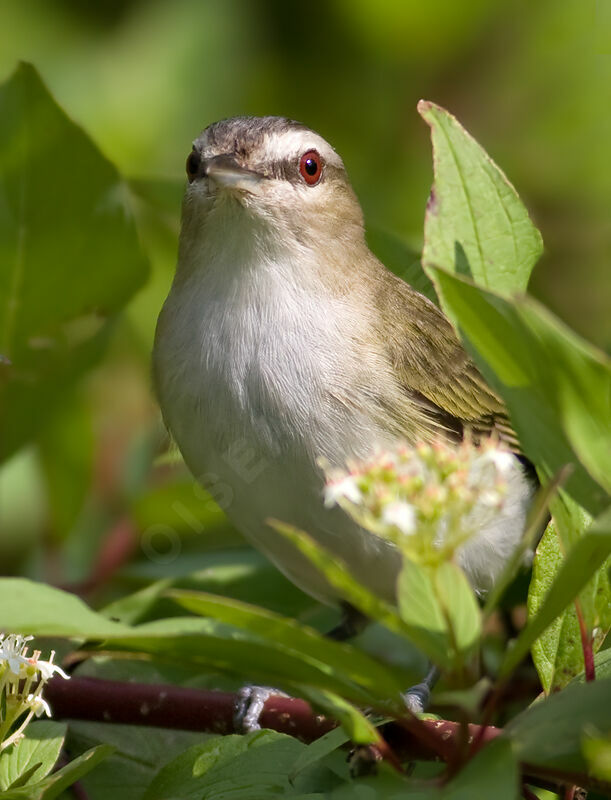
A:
(166, 706)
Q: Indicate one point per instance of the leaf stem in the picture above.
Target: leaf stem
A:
(586, 643)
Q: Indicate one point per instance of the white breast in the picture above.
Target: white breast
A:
(253, 375)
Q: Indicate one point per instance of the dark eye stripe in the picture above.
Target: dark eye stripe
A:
(288, 170)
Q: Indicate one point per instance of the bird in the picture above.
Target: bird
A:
(284, 343)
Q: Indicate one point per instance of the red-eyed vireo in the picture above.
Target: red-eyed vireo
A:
(284, 342)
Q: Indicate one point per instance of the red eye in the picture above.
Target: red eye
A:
(310, 167)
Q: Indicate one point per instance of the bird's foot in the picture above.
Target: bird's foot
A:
(417, 698)
(249, 705)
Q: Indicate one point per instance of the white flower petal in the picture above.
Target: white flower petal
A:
(12, 650)
(47, 669)
(39, 705)
(400, 514)
(15, 662)
(343, 489)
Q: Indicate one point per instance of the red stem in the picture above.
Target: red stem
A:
(165, 706)
(586, 644)
(174, 707)
(569, 793)
(117, 548)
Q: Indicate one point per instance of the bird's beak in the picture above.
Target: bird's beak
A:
(227, 173)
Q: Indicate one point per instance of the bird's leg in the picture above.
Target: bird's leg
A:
(249, 705)
(418, 697)
(363, 759)
(251, 699)
(351, 624)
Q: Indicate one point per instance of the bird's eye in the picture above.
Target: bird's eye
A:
(193, 162)
(310, 167)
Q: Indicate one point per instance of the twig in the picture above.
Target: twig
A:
(166, 706)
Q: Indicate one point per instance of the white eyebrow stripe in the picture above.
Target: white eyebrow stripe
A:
(295, 142)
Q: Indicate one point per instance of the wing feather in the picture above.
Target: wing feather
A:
(434, 368)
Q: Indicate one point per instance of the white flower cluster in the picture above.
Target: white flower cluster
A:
(22, 678)
(428, 499)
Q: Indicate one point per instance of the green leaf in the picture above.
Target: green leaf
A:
(550, 732)
(459, 605)
(53, 785)
(35, 755)
(475, 222)
(536, 521)
(558, 652)
(66, 456)
(242, 573)
(602, 668)
(199, 642)
(133, 607)
(319, 749)
(59, 781)
(468, 700)
(236, 767)
(440, 603)
(421, 610)
(188, 509)
(140, 753)
(360, 730)
(417, 599)
(69, 255)
(400, 259)
(29, 607)
(341, 657)
(597, 753)
(556, 386)
(581, 563)
(492, 773)
(386, 784)
(361, 598)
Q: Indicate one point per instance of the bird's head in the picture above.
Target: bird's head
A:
(275, 173)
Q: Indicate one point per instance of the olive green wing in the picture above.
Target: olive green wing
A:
(434, 368)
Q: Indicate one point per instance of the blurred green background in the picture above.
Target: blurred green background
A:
(531, 81)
